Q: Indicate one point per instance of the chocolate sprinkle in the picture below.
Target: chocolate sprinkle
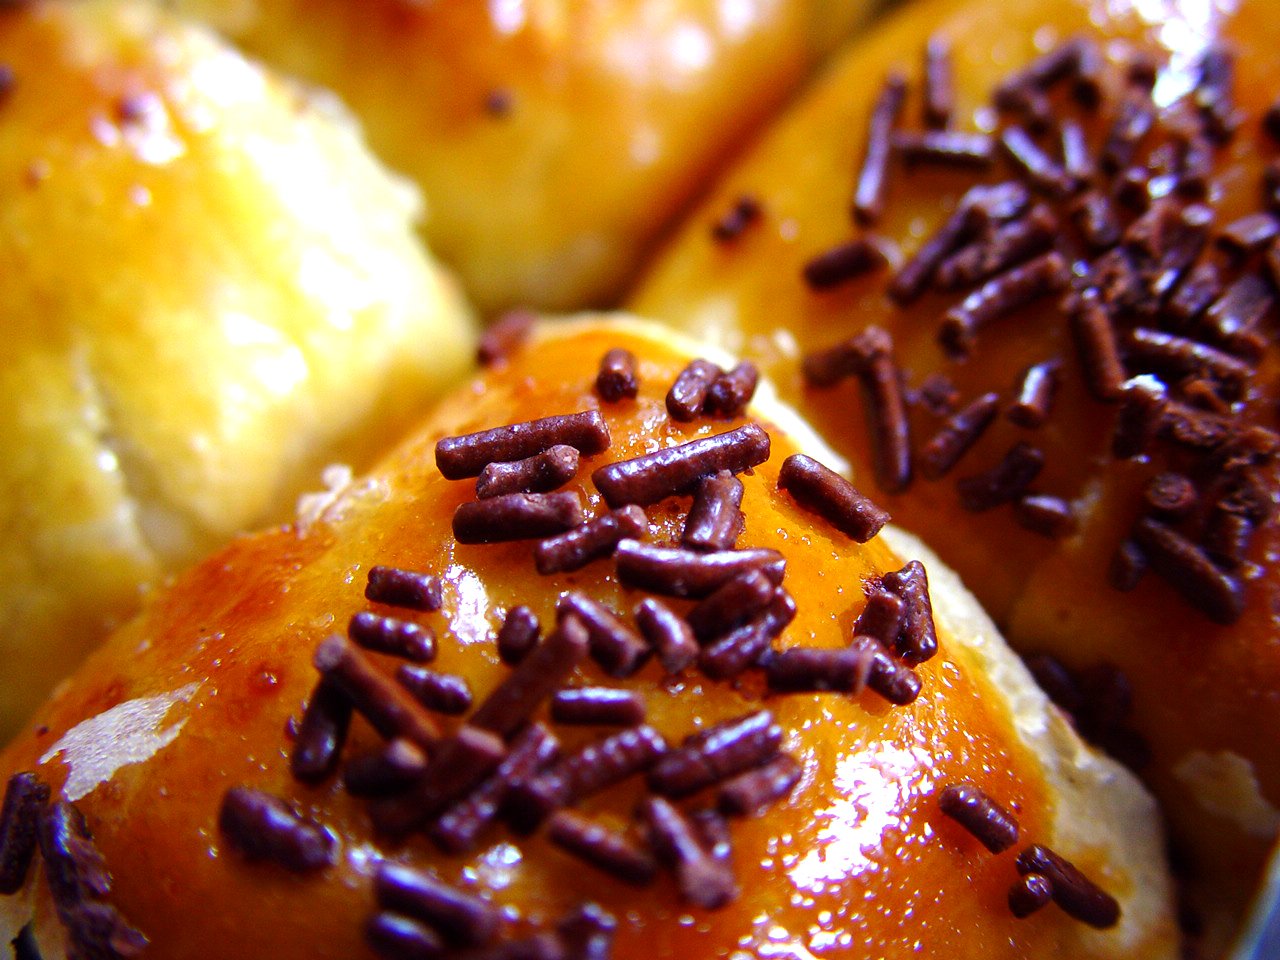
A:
(1035, 393)
(460, 918)
(674, 572)
(939, 86)
(868, 199)
(394, 937)
(1003, 483)
(545, 471)
(1046, 515)
(668, 633)
(1040, 170)
(1096, 219)
(619, 376)
(715, 520)
(597, 538)
(990, 823)
(745, 211)
(505, 336)
(689, 392)
(1190, 571)
(397, 765)
(732, 391)
(467, 455)
(598, 706)
(717, 753)
(615, 646)
(385, 704)
(703, 880)
(823, 491)
(517, 635)
(895, 682)
(538, 675)
(734, 603)
(843, 263)
(1075, 893)
(819, 670)
(947, 148)
(1029, 894)
(1005, 247)
(1095, 339)
(741, 648)
(917, 640)
(957, 434)
(517, 516)
(1142, 410)
(321, 734)
(411, 589)
(1000, 296)
(24, 796)
(881, 616)
(588, 933)
(400, 638)
(602, 848)
(655, 476)
(263, 827)
(1127, 566)
(750, 794)
(442, 692)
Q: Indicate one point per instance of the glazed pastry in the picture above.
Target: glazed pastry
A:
(633, 746)
(555, 140)
(211, 291)
(1025, 280)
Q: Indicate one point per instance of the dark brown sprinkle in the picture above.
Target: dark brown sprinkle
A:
(74, 869)
(1044, 71)
(703, 880)
(1000, 296)
(468, 454)
(734, 603)
(1041, 170)
(263, 827)
(518, 635)
(752, 793)
(394, 937)
(1098, 347)
(462, 919)
(507, 335)
(957, 434)
(843, 263)
(1142, 409)
(1032, 105)
(937, 394)
(540, 473)
(321, 734)
(517, 516)
(444, 693)
(593, 768)
(1181, 356)
(885, 405)
(498, 102)
(1197, 292)
(1165, 242)
(458, 829)
(675, 572)
(618, 649)
(1090, 66)
(990, 823)
(744, 212)
(1005, 247)
(713, 832)
(24, 944)
(1142, 68)
(1249, 234)
(717, 753)
(597, 538)
(400, 638)
(411, 589)
(1271, 120)
(1095, 217)
(868, 198)
(732, 391)
(1134, 188)
(1077, 162)
(1128, 564)
(939, 86)
(1003, 483)
(1213, 94)
(1226, 537)
(655, 476)
(949, 148)
(1196, 429)
(745, 646)
(688, 393)
(1134, 120)
(1058, 683)
(388, 707)
(1188, 568)
(598, 706)
(820, 670)
(1197, 162)
(587, 933)
(917, 639)
(397, 765)
(1035, 392)
(538, 675)
(24, 796)
(1046, 515)
(823, 491)
(881, 616)
(460, 764)
(619, 375)
(1029, 894)
(1235, 316)
(602, 848)
(1171, 495)
(667, 632)
(1075, 893)
(1113, 278)
(715, 521)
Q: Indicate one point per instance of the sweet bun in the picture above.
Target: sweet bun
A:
(169, 747)
(555, 139)
(211, 291)
(1135, 262)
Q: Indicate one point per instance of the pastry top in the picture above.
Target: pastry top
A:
(1135, 262)
(212, 291)
(554, 139)
(191, 701)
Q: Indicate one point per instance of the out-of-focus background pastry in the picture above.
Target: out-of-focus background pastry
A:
(1180, 675)
(555, 139)
(211, 289)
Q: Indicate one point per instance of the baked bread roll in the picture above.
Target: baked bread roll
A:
(211, 291)
(701, 803)
(555, 139)
(1019, 446)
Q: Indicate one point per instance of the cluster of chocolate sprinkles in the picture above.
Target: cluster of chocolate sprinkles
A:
(1044, 875)
(708, 605)
(1165, 310)
(703, 389)
(77, 877)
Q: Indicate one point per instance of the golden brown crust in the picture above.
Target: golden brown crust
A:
(859, 859)
(212, 290)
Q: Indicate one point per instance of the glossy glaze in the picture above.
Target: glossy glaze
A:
(1200, 689)
(859, 861)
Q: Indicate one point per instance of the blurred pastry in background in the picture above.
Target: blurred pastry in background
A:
(1018, 263)
(555, 139)
(211, 290)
